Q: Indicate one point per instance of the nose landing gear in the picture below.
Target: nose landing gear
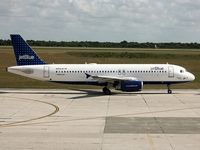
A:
(169, 91)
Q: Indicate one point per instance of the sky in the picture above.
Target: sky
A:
(102, 20)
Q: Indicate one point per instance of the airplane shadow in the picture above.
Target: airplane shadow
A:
(86, 93)
(80, 93)
(92, 93)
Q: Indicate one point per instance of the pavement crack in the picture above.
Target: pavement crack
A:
(107, 110)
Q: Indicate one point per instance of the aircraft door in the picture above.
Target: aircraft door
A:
(46, 72)
(170, 71)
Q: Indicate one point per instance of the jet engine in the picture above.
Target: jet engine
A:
(130, 86)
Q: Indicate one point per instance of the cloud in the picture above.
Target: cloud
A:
(102, 20)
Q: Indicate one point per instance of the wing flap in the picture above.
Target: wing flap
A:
(111, 79)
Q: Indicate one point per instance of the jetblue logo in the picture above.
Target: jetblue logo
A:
(157, 68)
(25, 57)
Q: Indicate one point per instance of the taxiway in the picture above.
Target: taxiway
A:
(88, 120)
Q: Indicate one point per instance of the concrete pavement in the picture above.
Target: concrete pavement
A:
(88, 120)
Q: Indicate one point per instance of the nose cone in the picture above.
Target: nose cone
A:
(191, 77)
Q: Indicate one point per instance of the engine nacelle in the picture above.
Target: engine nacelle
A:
(130, 86)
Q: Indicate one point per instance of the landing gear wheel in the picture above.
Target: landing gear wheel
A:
(169, 91)
(106, 91)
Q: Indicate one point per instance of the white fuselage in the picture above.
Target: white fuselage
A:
(77, 73)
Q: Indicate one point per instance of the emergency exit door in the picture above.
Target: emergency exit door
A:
(122, 72)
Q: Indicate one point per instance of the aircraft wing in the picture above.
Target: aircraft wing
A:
(110, 79)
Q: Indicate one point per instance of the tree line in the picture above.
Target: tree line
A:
(122, 44)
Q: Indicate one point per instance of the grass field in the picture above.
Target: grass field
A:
(188, 58)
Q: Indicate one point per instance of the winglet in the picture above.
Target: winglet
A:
(87, 75)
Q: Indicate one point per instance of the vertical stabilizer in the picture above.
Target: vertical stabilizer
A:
(23, 52)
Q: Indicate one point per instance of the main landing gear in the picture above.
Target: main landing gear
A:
(169, 90)
(106, 91)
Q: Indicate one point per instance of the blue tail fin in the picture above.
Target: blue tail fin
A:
(23, 52)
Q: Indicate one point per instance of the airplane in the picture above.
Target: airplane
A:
(124, 77)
